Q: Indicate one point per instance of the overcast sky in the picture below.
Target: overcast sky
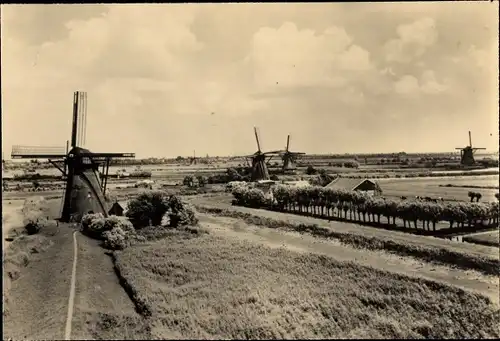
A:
(164, 80)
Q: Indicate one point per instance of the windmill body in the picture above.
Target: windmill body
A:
(85, 188)
(289, 158)
(260, 159)
(467, 153)
(259, 168)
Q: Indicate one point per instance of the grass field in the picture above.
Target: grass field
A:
(431, 187)
(223, 285)
(213, 287)
(485, 238)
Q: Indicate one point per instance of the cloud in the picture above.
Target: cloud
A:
(412, 42)
(155, 74)
(427, 84)
(289, 57)
(430, 85)
(407, 85)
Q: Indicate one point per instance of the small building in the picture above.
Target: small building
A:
(116, 209)
(365, 185)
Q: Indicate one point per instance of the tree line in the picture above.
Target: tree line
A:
(361, 207)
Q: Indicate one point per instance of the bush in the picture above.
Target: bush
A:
(34, 222)
(116, 232)
(92, 225)
(202, 180)
(148, 208)
(188, 181)
(181, 213)
(310, 170)
(120, 235)
(35, 213)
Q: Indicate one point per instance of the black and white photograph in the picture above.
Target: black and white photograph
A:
(217, 171)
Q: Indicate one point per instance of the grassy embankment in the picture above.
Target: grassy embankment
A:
(22, 246)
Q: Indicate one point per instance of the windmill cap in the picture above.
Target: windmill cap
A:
(79, 151)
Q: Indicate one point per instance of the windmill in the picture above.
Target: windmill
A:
(289, 157)
(258, 166)
(85, 189)
(193, 159)
(467, 154)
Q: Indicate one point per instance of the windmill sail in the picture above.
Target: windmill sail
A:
(37, 152)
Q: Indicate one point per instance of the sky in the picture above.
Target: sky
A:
(165, 80)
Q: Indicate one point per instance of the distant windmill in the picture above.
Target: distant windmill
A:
(289, 158)
(193, 159)
(467, 153)
(85, 191)
(259, 167)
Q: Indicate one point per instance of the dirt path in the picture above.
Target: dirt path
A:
(71, 299)
(97, 292)
(469, 280)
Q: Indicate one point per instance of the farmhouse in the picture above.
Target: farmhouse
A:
(365, 185)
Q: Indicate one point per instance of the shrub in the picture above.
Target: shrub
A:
(116, 232)
(92, 225)
(181, 213)
(35, 213)
(310, 170)
(34, 222)
(148, 208)
(120, 235)
(202, 180)
(188, 180)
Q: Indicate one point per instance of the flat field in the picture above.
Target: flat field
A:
(216, 286)
(485, 238)
(431, 187)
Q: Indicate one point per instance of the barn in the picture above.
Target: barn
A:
(116, 209)
(365, 185)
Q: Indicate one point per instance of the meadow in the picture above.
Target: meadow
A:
(212, 287)
(436, 187)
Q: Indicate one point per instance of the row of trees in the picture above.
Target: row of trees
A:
(359, 206)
